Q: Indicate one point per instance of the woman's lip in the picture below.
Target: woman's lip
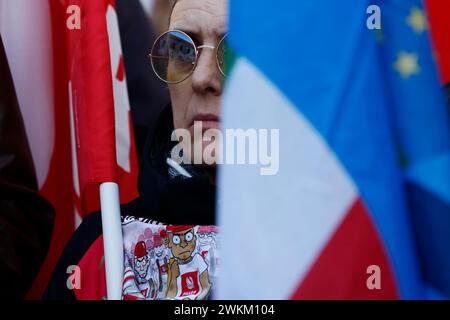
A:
(210, 125)
(206, 117)
(207, 121)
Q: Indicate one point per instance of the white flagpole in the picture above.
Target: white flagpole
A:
(112, 239)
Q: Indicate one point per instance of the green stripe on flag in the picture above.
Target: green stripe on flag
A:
(230, 58)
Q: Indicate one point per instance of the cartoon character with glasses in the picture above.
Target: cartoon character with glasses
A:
(144, 266)
(188, 272)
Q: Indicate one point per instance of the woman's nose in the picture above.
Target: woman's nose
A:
(206, 77)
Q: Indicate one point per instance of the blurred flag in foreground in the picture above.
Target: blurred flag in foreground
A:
(72, 93)
(363, 187)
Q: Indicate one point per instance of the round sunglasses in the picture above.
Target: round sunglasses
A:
(174, 56)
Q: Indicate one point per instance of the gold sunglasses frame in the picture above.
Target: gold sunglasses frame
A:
(197, 53)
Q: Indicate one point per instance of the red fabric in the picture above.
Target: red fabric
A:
(140, 250)
(58, 187)
(340, 272)
(92, 273)
(176, 229)
(438, 14)
(82, 57)
(89, 68)
(92, 94)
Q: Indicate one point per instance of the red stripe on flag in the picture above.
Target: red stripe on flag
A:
(127, 181)
(58, 186)
(94, 109)
(93, 102)
(438, 13)
(340, 272)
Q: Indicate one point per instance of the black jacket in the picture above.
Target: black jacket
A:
(172, 200)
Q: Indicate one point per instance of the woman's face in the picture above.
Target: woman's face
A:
(198, 97)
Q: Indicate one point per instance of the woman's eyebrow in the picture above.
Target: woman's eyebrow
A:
(196, 34)
(188, 30)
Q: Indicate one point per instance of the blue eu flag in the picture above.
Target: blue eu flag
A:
(421, 124)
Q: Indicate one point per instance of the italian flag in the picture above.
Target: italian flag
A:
(339, 218)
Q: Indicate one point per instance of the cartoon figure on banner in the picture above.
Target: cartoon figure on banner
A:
(147, 273)
(206, 239)
(207, 247)
(187, 272)
(130, 289)
(162, 257)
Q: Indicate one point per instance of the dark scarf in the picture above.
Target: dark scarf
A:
(171, 198)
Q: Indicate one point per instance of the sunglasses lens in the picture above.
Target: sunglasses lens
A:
(223, 56)
(173, 56)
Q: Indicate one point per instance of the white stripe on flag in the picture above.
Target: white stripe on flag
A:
(25, 27)
(73, 141)
(121, 101)
(274, 227)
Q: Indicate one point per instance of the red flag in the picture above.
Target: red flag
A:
(71, 87)
(101, 122)
(37, 70)
(91, 95)
(438, 11)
